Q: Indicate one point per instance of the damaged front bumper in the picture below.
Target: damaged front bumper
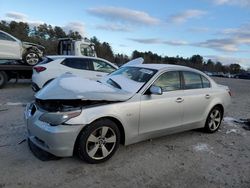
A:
(58, 140)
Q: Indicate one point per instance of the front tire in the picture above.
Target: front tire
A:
(214, 119)
(31, 57)
(99, 141)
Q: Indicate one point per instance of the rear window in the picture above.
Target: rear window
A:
(192, 80)
(102, 66)
(205, 82)
(78, 63)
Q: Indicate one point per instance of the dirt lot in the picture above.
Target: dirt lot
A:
(189, 159)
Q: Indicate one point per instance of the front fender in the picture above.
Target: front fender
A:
(127, 113)
(37, 48)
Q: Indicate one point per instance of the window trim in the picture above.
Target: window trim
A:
(200, 75)
(12, 39)
(152, 82)
(203, 83)
(140, 90)
(92, 60)
(91, 66)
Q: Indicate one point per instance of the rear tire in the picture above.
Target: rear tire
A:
(3, 79)
(98, 141)
(214, 119)
(31, 57)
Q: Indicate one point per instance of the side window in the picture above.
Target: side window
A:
(3, 36)
(205, 82)
(86, 50)
(169, 81)
(77, 63)
(102, 66)
(192, 80)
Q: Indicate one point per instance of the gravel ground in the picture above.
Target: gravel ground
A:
(188, 159)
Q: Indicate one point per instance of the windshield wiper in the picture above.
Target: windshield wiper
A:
(113, 83)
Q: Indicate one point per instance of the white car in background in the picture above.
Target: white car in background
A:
(53, 66)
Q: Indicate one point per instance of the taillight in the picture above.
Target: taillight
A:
(39, 69)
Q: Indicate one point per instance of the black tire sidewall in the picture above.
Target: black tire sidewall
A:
(207, 128)
(4, 76)
(82, 153)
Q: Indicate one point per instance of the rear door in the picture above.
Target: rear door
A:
(10, 48)
(82, 67)
(196, 95)
(159, 112)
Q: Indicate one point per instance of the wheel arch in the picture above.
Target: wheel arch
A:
(34, 48)
(48, 81)
(216, 101)
(219, 105)
(207, 128)
(212, 107)
(113, 119)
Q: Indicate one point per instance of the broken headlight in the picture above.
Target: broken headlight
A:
(58, 118)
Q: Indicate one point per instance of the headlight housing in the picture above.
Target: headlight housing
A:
(58, 118)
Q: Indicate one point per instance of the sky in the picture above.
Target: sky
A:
(215, 29)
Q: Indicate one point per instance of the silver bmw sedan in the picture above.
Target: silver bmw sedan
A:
(135, 103)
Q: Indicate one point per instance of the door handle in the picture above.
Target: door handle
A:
(179, 100)
(207, 96)
(99, 75)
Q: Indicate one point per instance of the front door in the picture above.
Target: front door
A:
(159, 112)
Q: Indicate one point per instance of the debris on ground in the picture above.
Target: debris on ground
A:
(5, 145)
(4, 109)
(245, 123)
(202, 147)
(230, 121)
(232, 131)
(14, 104)
(22, 141)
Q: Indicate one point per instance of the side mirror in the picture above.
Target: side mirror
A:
(155, 90)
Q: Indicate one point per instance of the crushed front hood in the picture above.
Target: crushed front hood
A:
(69, 86)
(32, 44)
(136, 61)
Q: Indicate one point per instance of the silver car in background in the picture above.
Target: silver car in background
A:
(134, 103)
(12, 48)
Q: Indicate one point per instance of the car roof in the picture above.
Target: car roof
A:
(72, 56)
(55, 57)
(164, 67)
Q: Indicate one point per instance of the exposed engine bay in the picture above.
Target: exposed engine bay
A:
(68, 105)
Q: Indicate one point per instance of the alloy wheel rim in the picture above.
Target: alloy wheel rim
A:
(101, 142)
(214, 120)
(32, 58)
